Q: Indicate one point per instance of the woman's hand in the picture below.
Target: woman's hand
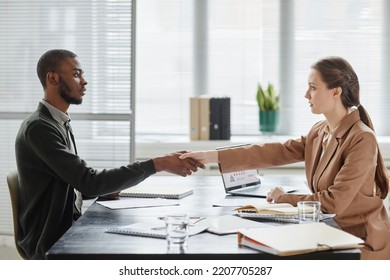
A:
(203, 157)
(274, 193)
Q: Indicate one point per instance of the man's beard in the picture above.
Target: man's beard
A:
(64, 93)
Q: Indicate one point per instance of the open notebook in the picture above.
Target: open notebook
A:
(172, 192)
(274, 212)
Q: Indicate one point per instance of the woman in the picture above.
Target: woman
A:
(344, 167)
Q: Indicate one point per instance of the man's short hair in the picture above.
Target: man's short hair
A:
(50, 61)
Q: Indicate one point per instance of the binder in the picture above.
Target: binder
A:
(204, 113)
(220, 118)
(225, 119)
(215, 118)
(297, 239)
(194, 118)
(209, 118)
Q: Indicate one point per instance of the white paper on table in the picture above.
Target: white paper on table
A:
(126, 202)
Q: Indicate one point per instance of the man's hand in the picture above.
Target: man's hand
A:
(203, 157)
(111, 196)
(173, 164)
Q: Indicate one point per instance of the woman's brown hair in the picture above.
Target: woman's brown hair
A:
(337, 72)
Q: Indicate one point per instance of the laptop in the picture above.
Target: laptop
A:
(248, 183)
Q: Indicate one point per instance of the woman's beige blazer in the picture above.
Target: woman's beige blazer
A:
(341, 177)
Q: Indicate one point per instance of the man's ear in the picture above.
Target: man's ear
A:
(52, 78)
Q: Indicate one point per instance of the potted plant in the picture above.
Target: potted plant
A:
(269, 105)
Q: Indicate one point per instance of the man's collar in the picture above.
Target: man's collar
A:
(58, 115)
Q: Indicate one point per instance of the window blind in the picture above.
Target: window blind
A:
(253, 41)
(101, 34)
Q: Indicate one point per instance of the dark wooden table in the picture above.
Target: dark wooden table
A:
(87, 238)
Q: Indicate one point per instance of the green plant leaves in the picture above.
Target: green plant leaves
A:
(267, 100)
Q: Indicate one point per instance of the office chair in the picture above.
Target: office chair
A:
(13, 186)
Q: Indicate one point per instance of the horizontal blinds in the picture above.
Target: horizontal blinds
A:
(99, 32)
(351, 29)
(251, 41)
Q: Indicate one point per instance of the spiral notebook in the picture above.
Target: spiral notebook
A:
(140, 229)
(270, 218)
(154, 229)
(278, 218)
(173, 192)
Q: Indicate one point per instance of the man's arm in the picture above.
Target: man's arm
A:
(173, 164)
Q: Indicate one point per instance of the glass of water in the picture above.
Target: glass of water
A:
(177, 229)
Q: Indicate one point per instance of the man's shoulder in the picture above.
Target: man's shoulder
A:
(38, 120)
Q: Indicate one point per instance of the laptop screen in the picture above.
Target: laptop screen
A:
(240, 179)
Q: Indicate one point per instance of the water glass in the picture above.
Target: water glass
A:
(177, 230)
(309, 211)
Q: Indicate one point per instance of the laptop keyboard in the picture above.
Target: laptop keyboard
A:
(249, 190)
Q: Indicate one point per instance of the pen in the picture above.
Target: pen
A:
(198, 219)
(191, 218)
(157, 228)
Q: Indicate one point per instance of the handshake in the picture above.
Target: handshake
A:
(184, 163)
(172, 163)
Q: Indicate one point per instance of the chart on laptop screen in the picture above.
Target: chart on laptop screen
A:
(239, 178)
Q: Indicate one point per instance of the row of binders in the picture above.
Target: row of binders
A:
(209, 118)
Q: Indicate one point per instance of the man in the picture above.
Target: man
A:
(51, 172)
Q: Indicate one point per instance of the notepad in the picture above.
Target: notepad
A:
(173, 192)
(283, 209)
(297, 239)
(140, 229)
(154, 229)
(274, 212)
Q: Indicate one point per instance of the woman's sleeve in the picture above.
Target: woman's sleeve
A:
(262, 155)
